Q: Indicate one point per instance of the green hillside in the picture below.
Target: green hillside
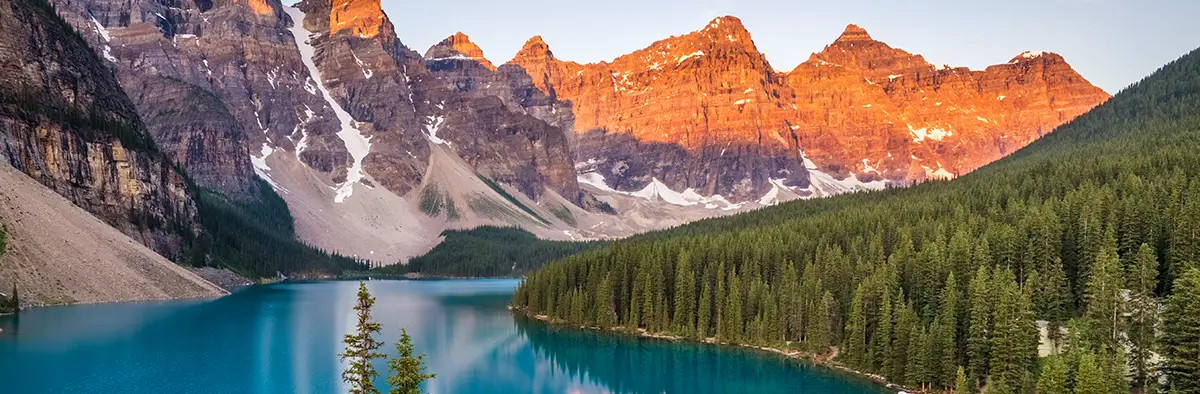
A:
(488, 252)
(914, 283)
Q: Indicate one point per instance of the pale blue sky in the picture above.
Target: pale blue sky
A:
(1111, 42)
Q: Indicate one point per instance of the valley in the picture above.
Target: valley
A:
(683, 217)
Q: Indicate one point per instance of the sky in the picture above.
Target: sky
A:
(1112, 43)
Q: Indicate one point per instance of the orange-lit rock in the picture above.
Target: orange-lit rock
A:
(362, 18)
(857, 107)
(458, 47)
(260, 7)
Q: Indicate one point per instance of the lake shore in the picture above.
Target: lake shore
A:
(822, 360)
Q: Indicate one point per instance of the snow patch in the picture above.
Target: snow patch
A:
(367, 73)
(435, 124)
(894, 76)
(261, 168)
(1001, 97)
(358, 145)
(689, 56)
(822, 184)
(920, 135)
(742, 101)
(657, 190)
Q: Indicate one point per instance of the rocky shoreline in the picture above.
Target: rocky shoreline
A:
(825, 361)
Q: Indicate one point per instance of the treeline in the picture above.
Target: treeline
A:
(488, 252)
(944, 285)
(257, 239)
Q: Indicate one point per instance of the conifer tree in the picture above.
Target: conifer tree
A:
(1053, 379)
(361, 347)
(960, 382)
(1012, 348)
(1105, 304)
(948, 338)
(979, 331)
(1090, 377)
(1143, 311)
(733, 310)
(1053, 297)
(685, 295)
(856, 331)
(819, 334)
(916, 373)
(1181, 334)
(704, 318)
(606, 310)
(1184, 252)
(407, 370)
(881, 340)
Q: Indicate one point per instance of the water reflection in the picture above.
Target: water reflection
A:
(643, 365)
(284, 339)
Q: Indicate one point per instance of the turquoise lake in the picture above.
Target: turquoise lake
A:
(285, 338)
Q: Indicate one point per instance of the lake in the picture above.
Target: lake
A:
(284, 338)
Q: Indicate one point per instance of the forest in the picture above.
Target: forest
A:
(257, 239)
(1089, 237)
(488, 252)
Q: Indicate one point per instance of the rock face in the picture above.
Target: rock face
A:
(494, 119)
(238, 51)
(868, 108)
(65, 122)
(706, 111)
(858, 108)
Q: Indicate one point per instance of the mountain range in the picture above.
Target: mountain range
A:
(376, 148)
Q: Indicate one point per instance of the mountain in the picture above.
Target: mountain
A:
(706, 111)
(377, 148)
(65, 122)
(76, 148)
(1042, 234)
(68, 124)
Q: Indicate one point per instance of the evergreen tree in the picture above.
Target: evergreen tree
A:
(979, 331)
(1090, 377)
(704, 320)
(361, 347)
(1181, 334)
(407, 371)
(1053, 297)
(819, 335)
(856, 331)
(606, 309)
(733, 310)
(1013, 350)
(685, 295)
(881, 340)
(1143, 311)
(916, 373)
(1184, 252)
(1054, 377)
(960, 382)
(1105, 303)
(948, 338)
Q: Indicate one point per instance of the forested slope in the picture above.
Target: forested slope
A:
(915, 284)
(488, 252)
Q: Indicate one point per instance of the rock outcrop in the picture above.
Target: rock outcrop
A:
(66, 122)
(859, 111)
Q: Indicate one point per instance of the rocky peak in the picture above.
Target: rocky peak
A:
(854, 33)
(1030, 56)
(458, 47)
(362, 18)
(534, 48)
